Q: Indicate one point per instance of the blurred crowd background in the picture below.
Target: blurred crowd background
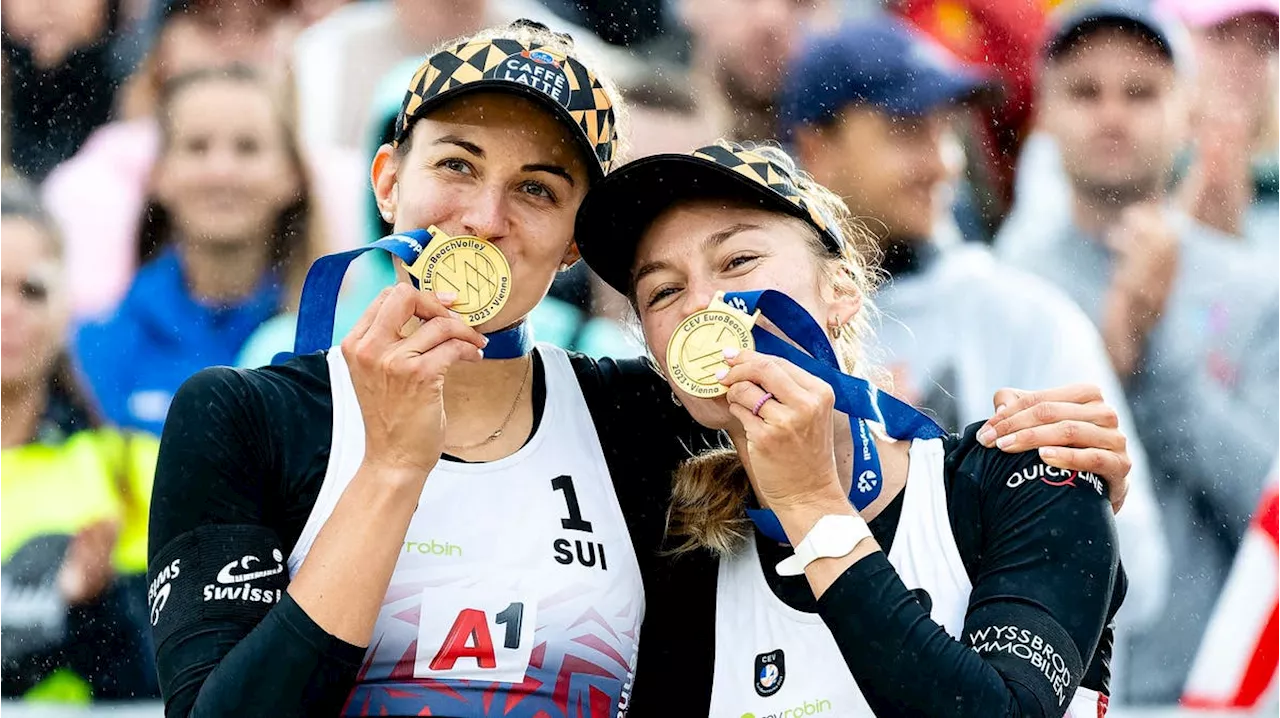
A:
(1067, 191)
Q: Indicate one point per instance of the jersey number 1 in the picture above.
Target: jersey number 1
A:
(575, 522)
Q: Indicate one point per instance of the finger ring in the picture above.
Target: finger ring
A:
(767, 396)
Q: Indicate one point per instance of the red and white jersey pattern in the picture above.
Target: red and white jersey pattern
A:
(517, 592)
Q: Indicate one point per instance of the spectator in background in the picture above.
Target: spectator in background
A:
(228, 233)
(1231, 184)
(253, 30)
(73, 530)
(1188, 318)
(191, 34)
(1005, 37)
(101, 191)
(664, 114)
(58, 76)
(740, 51)
(338, 61)
(369, 273)
(868, 109)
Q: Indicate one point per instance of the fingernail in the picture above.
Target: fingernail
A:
(1048, 452)
(480, 352)
(731, 352)
(986, 436)
(485, 340)
(1000, 409)
(447, 297)
(1005, 441)
(720, 375)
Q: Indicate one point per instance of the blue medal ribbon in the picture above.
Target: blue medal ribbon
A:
(856, 397)
(324, 279)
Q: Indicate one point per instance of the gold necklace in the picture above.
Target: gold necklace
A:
(510, 413)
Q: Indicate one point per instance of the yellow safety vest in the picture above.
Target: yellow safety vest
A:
(60, 488)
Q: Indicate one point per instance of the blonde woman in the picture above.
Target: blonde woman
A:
(929, 575)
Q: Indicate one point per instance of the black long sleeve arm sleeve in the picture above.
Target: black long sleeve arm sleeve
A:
(229, 639)
(1045, 590)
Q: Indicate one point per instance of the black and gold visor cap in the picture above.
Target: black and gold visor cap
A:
(619, 209)
(559, 82)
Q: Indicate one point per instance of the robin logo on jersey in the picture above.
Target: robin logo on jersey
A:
(770, 672)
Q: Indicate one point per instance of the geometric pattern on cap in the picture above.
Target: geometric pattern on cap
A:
(561, 77)
(770, 175)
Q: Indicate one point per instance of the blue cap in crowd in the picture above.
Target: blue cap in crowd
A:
(1135, 18)
(879, 62)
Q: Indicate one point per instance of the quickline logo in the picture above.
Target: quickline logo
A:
(806, 708)
(431, 547)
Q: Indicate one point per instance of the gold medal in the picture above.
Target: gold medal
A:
(474, 269)
(696, 350)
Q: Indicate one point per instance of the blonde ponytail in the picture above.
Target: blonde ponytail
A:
(708, 504)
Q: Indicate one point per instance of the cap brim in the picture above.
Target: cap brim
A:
(616, 213)
(515, 88)
(1071, 32)
(946, 89)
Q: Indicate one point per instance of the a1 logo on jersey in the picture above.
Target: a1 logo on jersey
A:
(770, 672)
(480, 632)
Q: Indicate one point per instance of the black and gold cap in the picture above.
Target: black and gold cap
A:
(560, 82)
(619, 209)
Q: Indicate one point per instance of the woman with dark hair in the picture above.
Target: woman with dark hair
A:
(74, 495)
(226, 236)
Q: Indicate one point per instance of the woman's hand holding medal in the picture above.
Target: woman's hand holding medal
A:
(783, 409)
(398, 371)
(787, 417)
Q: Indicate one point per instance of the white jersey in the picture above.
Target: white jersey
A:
(516, 571)
(772, 660)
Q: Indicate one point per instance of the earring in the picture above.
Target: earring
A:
(564, 266)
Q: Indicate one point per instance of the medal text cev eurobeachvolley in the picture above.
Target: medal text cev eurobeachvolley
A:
(470, 267)
(696, 350)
